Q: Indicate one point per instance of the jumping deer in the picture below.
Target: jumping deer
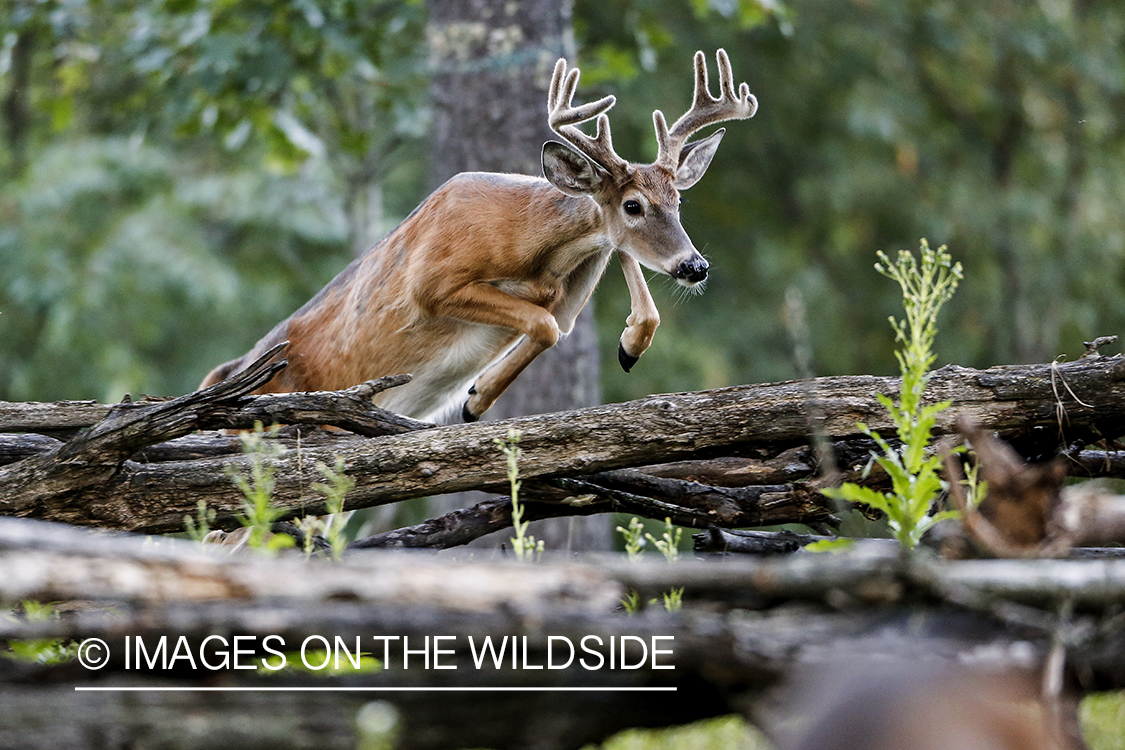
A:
(491, 269)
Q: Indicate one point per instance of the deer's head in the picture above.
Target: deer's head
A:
(640, 203)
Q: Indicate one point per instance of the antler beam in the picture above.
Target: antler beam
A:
(705, 109)
(563, 116)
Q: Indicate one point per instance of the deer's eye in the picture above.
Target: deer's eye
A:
(633, 208)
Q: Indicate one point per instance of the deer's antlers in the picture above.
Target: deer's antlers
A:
(562, 116)
(705, 109)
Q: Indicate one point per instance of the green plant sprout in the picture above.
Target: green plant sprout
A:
(311, 527)
(199, 527)
(669, 541)
(674, 599)
(257, 489)
(976, 489)
(526, 547)
(634, 548)
(913, 468)
(835, 546)
(336, 486)
(330, 526)
(634, 539)
(669, 546)
(41, 650)
(631, 603)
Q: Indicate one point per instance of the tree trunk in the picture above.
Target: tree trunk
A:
(493, 61)
(16, 106)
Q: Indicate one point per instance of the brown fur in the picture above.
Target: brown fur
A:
(411, 297)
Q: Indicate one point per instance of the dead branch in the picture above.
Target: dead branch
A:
(463, 525)
(735, 541)
(625, 491)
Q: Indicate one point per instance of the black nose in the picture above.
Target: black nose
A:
(693, 270)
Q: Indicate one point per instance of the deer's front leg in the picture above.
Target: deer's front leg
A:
(643, 315)
(575, 294)
(496, 379)
(480, 302)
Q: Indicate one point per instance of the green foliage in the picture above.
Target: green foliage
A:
(669, 542)
(633, 535)
(880, 122)
(669, 545)
(835, 546)
(1103, 717)
(41, 650)
(199, 527)
(976, 489)
(721, 733)
(634, 538)
(525, 545)
(146, 282)
(673, 599)
(157, 213)
(257, 488)
(925, 288)
(913, 467)
(337, 485)
(314, 78)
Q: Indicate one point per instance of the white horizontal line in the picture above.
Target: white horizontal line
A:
(323, 688)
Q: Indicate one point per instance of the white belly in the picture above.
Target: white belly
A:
(441, 386)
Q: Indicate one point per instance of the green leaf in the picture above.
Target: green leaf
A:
(835, 546)
(855, 493)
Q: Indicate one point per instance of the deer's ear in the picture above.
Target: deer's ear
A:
(570, 171)
(695, 158)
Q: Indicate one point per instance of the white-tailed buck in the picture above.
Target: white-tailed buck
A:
(491, 269)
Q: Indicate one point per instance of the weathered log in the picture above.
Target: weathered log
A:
(723, 664)
(725, 506)
(1086, 398)
(747, 542)
(52, 561)
(1004, 612)
(792, 465)
(58, 418)
(96, 455)
(998, 614)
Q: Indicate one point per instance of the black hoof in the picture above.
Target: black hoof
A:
(626, 359)
(467, 415)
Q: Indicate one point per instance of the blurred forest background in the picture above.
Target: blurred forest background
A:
(179, 175)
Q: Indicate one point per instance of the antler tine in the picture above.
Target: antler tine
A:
(705, 108)
(562, 116)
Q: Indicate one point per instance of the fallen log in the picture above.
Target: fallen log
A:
(92, 482)
(730, 648)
